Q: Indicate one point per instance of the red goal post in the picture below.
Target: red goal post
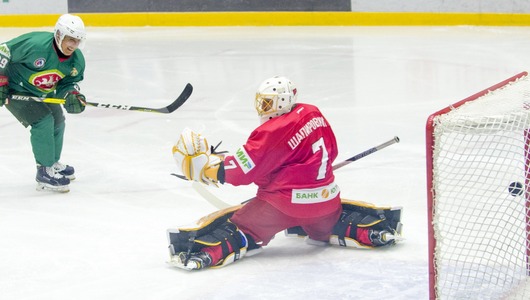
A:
(479, 230)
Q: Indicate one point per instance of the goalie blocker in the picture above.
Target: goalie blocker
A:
(383, 225)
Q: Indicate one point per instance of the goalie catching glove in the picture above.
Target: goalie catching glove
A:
(195, 159)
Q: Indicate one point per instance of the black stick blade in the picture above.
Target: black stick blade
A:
(186, 93)
(165, 110)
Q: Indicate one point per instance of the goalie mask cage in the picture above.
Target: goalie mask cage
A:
(479, 241)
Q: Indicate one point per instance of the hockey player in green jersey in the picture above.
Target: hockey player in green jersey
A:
(49, 65)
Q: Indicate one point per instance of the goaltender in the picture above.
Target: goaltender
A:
(289, 157)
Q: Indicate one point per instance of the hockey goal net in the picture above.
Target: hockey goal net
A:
(479, 241)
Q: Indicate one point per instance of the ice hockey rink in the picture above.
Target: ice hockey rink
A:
(106, 239)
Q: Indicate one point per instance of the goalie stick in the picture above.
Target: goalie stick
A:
(220, 204)
(184, 95)
(367, 152)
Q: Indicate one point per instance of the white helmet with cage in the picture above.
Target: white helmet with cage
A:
(275, 97)
(69, 25)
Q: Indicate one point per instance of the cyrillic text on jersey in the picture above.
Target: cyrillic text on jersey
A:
(305, 131)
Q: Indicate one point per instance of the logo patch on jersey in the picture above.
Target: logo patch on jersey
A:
(244, 161)
(4, 50)
(74, 72)
(46, 81)
(316, 195)
(39, 62)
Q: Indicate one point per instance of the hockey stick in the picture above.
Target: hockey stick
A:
(220, 204)
(37, 99)
(365, 153)
(164, 110)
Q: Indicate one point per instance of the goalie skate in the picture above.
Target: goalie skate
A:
(49, 180)
(195, 261)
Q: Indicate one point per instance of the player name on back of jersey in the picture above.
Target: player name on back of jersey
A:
(306, 130)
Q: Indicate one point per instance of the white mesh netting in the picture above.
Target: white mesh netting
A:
(481, 229)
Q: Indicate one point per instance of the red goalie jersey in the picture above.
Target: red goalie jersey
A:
(290, 159)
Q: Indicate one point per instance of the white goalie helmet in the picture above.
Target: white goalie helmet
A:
(70, 25)
(275, 97)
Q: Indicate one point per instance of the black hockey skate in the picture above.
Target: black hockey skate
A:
(65, 170)
(48, 179)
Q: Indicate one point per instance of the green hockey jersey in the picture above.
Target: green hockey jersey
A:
(34, 67)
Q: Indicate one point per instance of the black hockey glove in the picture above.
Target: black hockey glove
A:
(75, 102)
(4, 86)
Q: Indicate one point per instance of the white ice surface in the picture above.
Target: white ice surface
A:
(106, 239)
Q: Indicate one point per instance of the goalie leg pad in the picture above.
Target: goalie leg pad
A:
(232, 248)
(179, 238)
(222, 246)
(362, 225)
(214, 235)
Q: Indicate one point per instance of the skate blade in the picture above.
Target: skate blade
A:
(47, 187)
